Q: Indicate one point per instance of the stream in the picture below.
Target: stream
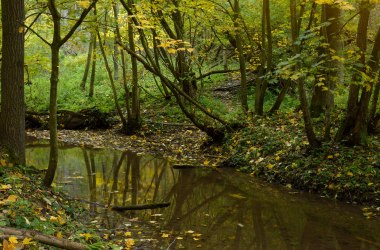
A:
(210, 209)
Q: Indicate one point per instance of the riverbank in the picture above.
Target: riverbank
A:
(274, 149)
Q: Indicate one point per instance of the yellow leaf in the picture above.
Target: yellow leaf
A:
(128, 234)
(12, 198)
(84, 4)
(206, 163)
(349, 173)
(270, 166)
(164, 235)
(61, 221)
(53, 219)
(330, 157)
(179, 238)
(86, 235)
(172, 51)
(27, 241)
(129, 243)
(13, 240)
(5, 187)
(59, 235)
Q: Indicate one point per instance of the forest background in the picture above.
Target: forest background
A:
(284, 90)
(289, 89)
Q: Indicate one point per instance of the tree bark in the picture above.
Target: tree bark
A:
(262, 85)
(43, 238)
(12, 122)
(239, 46)
(134, 122)
(54, 77)
(88, 63)
(110, 76)
(354, 126)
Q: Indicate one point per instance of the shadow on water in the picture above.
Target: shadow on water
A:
(210, 209)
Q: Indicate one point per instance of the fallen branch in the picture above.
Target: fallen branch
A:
(141, 206)
(43, 238)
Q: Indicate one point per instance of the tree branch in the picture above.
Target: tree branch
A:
(43, 238)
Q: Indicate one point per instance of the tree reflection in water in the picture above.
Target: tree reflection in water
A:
(219, 209)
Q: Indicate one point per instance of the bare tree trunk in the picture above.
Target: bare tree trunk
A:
(110, 76)
(12, 118)
(354, 126)
(262, 85)
(54, 77)
(135, 120)
(239, 47)
(88, 63)
(312, 138)
(93, 69)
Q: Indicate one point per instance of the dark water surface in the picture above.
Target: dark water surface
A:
(210, 209)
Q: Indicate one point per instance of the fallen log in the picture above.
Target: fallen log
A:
(141, 206)
(187, 166)
(91, 118)
(43, 238)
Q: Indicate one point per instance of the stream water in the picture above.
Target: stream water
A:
(210, 209)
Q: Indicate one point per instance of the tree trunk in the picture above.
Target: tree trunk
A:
(93, 69)
(239, 47)
(262, 85)
(309, 129)
(54, 77)
(323, 97)
(88, 63)
(110, 76)
(12, 122)
(134, 122)
(354, 127)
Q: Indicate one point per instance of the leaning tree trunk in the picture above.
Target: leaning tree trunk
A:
(12, 118)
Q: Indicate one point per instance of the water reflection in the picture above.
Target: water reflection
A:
(209, 209)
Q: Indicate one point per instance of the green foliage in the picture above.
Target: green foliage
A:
(70, 96)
